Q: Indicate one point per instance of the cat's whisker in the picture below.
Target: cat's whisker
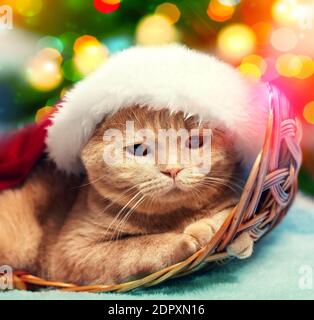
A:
(195, 193)
(230, 182)
(102, 236)
(212, 185)
(148, 183)
(215, 183)
(127, 216)
(115, 201)
(89, 183)
(116, 230)
(120, 213)
(105, 209)
(155, 189)
(230, 179)
(117, 216)
(221, 174)
(113, 230)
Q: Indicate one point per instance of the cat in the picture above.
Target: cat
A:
(122, 220)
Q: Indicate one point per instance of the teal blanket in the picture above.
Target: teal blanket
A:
(282, 267)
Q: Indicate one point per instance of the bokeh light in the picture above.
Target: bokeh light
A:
(217, 11)
(250, 70)
(256, 60)
(44, 72)
(262, 31)
(118, 43)
(84, 42)
(50, 54)
(50, 42)
(307, 69)
(289, 65)
(236, 41)
(308, 112)
(298, 66)
(43, 113)
(170, 10)
(284, 12)
(89, 54)
(107, 6)
(284, 39)
(156, 29)
(28, 8)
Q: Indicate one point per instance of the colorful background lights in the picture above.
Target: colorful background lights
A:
(62, 41)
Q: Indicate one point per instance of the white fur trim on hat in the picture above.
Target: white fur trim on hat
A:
(170, 76)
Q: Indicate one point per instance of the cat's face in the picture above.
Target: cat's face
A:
(154, 171)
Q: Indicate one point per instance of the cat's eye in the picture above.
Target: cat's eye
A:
(194, 142)
(138, 149)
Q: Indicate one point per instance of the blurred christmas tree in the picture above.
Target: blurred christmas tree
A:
(75, 37)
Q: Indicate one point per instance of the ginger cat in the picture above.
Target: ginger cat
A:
(121, 221)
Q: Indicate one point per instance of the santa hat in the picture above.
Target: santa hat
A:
(170, 76)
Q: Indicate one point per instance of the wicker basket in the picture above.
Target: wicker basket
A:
(267, 195)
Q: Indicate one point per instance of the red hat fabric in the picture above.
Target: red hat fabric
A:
(19, 152)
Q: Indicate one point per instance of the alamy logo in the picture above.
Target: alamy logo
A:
(166, 146)
(6, 17)
(6, 278)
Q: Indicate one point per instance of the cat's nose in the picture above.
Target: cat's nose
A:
(171, 172)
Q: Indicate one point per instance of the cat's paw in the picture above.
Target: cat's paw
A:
(177, 249)
(185, 247)
(202, 231)
(241, 247)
